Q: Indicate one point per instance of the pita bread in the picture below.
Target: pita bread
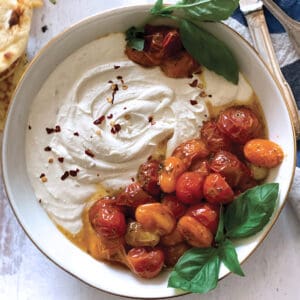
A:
(15, 21)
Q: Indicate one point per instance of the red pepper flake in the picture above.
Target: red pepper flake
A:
(57, 128)
(60, 159)
(117, 67)
(99, 120)
(49, 130)
(110, 81)
(194, 83)
(115, 128)
(89, 153)
(209, 96)
(121, 79)
(40, 200)
(48, 148)
(65, 175)
(76, 133)
(42, 175)
(115, 88)
(109, 116)
(29, 127)
(73, 173)
(132, 179)
(150, 120)
(124, 107)
(193, 102)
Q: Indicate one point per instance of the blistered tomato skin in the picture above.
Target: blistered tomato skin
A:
(205, 213)
(229, 166)
(217, 190)
(107, 220)
(189, 187)
(263, 153)
(194, 232)
(214, 138)
(173, 238)
(190, 150)
(134, 195)
(173, 167)
(240, 124)
(145, 264)
(200, 166)
(174, 205)
(148, 177)
(155, 217)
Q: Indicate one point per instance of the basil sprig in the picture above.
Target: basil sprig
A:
(198, 269)
(135, 38)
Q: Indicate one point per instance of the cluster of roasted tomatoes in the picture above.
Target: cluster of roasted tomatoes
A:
(174, 204)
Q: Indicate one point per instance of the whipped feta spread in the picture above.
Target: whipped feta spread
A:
(99, 116)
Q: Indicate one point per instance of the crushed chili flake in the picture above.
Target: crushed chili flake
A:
(76, 133)
(60, 159)
(89, 153)
(49, 130)
(50, 160)
(193, 102)
(29, 127)
(124, 107)
(42, 175)
(73, 173)
(99, 120)
(209, 96)
(115, 128)
(57, 128)
(120, 77)
(132, 179)
(40, 200)
(110, 81)
(203, 94)
(193, 83)
(150, 119)
(116, 67)
(44, 28)
(109, 116)
(65, 175)
(48, 148)
(52, 130)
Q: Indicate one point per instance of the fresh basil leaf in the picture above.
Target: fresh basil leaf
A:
(208, 50)
(229, 257)
(135, 38)
(196, 271)
(250, 211)
(220, 231)
(213, 10)
(159, 9)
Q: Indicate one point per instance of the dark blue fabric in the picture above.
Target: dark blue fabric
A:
(291, 7)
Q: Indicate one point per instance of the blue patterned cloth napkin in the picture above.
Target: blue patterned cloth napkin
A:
(289, 61)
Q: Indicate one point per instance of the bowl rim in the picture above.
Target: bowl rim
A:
(13, 103)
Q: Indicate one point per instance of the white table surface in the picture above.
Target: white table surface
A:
(272, 272)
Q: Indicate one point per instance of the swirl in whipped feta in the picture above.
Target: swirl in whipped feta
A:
(99, 116)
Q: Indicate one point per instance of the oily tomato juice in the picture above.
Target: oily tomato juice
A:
(173, 203)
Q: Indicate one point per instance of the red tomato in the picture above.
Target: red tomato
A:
(216, 189)
(146, 264)
(107, 220)
(200, 166)
(214, 138)
(176, 207)
(133, 196)
(240, 124)
(148, 177)
(229, 166)
(173, 253)
(207, 214)
(189, 187)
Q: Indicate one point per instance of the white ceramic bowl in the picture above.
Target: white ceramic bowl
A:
(32, 216)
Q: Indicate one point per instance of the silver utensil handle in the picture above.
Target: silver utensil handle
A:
(263, 44)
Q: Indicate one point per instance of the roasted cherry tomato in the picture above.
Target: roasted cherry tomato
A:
(179, 66)
(190, 150)
(148, 177)
(146, 264)
(189, 187)
(263, 153)
(134, 195)
(229, 166)
(173, 253)
(173, 167)
(195, 233)
(155, 217)
(200, 166)
(107, 220)
(214, 138)
(173, 238)
(216, 189)
(174, 205)
(205, 213)
(137, 236)
(240, 124)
